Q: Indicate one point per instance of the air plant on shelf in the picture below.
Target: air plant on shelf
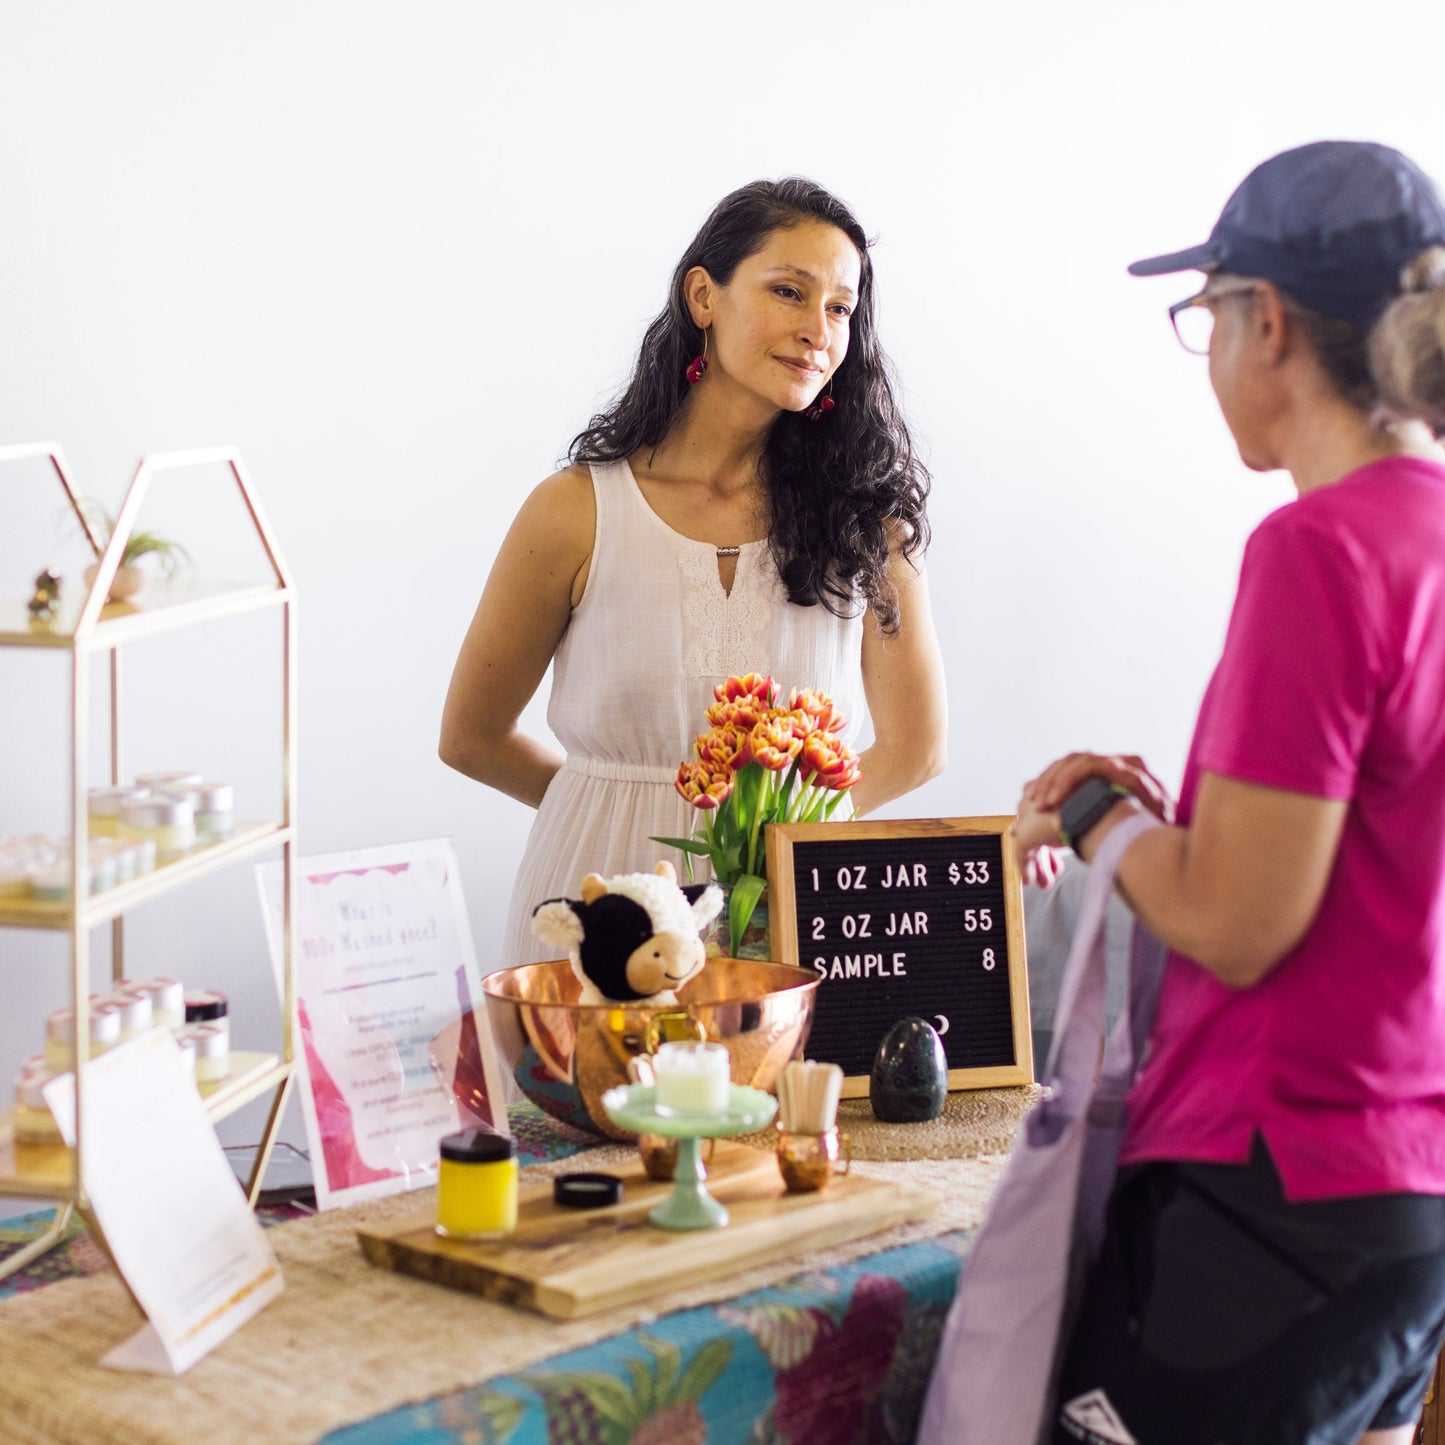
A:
(171, 557)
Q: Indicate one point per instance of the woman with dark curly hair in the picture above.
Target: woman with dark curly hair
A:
(751, 503)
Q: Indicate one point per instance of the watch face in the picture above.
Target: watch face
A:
(1085, 806)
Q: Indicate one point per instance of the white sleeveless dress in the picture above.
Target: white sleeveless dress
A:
(634, 674)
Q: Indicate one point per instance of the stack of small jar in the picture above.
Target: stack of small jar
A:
(198, 1020)
(38, 867)
(174, 811)
(157, 819)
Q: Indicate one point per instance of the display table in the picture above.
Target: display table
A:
(836, 1344)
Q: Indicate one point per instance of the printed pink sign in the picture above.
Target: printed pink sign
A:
(387, 999)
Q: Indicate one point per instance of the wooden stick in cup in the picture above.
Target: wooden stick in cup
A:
(808, 1092)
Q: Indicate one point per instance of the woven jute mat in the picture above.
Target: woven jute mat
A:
(346, 1341)
(974, 1122)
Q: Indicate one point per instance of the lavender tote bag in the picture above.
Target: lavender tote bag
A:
(993, 1383)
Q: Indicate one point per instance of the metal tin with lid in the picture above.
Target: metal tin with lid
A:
(167, 996)
(33, 1123)
(477, 1185)
(14, 878)
(104, 1029)
(187, 1049)
(215, 805)
(50, 882)
(137, 1010)
(168, 821)
(212, 1047)
(102, 806)
(205, 1006)
(122, 853)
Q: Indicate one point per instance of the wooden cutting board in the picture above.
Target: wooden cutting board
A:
(571, 1262)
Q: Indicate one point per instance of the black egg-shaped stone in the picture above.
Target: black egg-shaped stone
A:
(910, 1074)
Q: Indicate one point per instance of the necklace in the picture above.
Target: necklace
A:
(729, 551)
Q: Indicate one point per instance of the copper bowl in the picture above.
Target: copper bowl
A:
(565, 1055)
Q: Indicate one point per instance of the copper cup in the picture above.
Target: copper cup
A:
(808, 1162)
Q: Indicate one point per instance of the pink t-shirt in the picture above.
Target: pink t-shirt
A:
(1332, 684)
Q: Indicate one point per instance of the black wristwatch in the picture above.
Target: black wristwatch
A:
(1085, 806)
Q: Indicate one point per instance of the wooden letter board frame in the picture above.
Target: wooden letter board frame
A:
(899, 899)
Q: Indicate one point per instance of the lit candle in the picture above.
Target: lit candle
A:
(692, 1079)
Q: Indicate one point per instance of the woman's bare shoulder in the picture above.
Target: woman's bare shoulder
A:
(570, 487)
(562, 503)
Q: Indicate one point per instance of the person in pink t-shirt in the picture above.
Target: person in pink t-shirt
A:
(1275, 1262)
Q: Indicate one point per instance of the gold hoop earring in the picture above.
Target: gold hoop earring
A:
(823, 405)
(699, 363)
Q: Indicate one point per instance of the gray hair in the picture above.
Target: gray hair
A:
(1407, 345)
(1395, 369)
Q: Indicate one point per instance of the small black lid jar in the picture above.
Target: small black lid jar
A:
(477, 1185)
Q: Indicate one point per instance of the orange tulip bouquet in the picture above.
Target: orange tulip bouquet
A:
(760, 763)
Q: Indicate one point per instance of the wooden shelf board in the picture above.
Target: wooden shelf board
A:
(251, 1075)
(247, 839)
(41, 1170)
(45, 1170)
(154, 610)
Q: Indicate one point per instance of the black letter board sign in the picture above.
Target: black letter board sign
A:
(921, 917)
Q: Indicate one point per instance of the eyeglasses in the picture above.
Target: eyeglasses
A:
(1193, 320)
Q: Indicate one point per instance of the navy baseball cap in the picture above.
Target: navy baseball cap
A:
(1332, 224)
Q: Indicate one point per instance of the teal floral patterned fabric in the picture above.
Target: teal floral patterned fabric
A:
(76, 1256)
(540, 1138)
(828, 1357)
(835, 1357)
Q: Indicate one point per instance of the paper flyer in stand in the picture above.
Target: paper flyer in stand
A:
(165, 1197)
(393, 1039)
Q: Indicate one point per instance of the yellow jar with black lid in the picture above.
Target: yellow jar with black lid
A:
(477, 1185)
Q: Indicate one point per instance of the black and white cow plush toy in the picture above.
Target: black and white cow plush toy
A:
(634, 938)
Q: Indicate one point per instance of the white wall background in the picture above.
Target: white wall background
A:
(399, 252)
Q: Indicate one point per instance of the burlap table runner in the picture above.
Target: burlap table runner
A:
(346, 1341)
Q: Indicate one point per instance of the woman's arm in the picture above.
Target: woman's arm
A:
(903, 683)
(536, 580)
(1235, 891)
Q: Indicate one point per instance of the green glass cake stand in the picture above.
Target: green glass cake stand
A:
(689, 1206)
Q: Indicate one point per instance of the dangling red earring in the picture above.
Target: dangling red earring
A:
(823, 405)
(699, 363)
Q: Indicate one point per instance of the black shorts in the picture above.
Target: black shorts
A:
(1221, 1314)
